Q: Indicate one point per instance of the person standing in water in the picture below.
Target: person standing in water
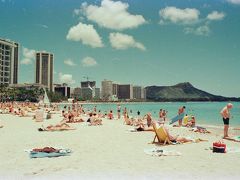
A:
(118, 111)
(225, 113)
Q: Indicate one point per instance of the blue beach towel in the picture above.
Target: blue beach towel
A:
(62, 152)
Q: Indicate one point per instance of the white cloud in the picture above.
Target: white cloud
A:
(69, 62)
(215, 16)
(77, 12)
(200, 31)
(112, 15)
(28, 56)
(124, 41)
(234, 1)
(43, 26)
(89, 62)
(176, 15)
(66, 78)
(86, 34)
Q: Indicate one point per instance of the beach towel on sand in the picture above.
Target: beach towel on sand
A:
(59, 152)
(161, 152)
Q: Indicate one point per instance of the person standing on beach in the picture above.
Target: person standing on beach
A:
(118, 111)
(125, 113)
(160, 114)
(95, 109)
(138, 113)
(225, 112)
(149, 119)
(181, 110)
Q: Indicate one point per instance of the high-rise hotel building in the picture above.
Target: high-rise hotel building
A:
(107, 90)
(44, 69)
(8, 62)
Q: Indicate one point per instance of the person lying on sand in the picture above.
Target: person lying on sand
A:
(142, 127)
(46, 150)
(75, 120)
(200, 129)
(58, 127)
(179, 139)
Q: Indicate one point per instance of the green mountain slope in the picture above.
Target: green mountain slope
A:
(182, 92)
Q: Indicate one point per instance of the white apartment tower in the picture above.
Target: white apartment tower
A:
(8, 62)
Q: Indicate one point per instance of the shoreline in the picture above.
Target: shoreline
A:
(136, 102)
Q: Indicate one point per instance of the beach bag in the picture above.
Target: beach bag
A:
(219, 147)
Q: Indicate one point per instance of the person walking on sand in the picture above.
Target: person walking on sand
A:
(225, 113)
(181, 110)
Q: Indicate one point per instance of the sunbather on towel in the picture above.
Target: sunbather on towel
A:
(46, 150)
(142, 127)
(181, 139)
(200, 129)
(58, 127)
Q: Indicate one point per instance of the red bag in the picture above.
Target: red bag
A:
(219, 147)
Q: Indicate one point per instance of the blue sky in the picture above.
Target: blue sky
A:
(142, 42)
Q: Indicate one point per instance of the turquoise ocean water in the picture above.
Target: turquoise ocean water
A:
(205, 112)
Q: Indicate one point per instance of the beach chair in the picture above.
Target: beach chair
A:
(161, 135)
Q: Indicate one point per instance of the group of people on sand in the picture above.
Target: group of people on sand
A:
(18, 109)
(23, 109)
(77, 114)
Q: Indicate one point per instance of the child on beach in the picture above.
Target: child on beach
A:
(110, 115)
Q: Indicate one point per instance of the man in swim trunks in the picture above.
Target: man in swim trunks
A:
(225, 113)
(180, 111)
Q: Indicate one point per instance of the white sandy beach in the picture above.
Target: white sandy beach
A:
(109, 152)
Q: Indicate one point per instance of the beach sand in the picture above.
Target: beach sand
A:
(109, 151)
